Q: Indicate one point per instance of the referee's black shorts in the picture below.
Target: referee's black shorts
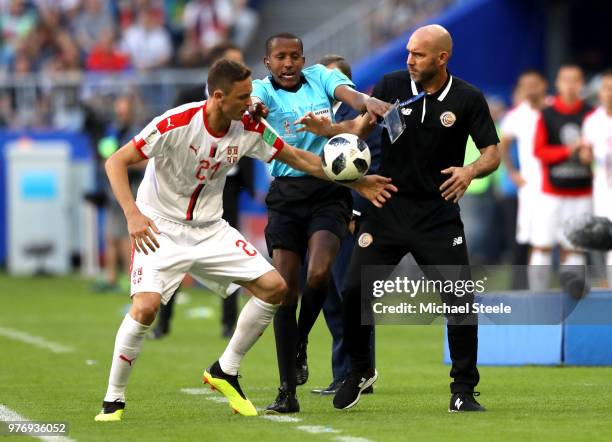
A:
(300, 206)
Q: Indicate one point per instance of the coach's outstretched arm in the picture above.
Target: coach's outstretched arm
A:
(140, 227)
(374, 188)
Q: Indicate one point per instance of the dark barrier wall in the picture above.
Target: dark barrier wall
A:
(494, 41)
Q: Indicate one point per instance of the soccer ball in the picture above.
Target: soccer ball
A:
(345, 158)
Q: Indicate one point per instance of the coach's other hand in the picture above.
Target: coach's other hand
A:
(141, 231)
(454, 187)
(374, 188)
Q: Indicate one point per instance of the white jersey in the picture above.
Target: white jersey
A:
(185, 177)
(597, 131)
(520, 123)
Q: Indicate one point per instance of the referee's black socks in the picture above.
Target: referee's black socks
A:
(286, 335)
(310, 307)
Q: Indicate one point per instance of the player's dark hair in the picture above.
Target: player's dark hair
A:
(224, 73)
(606, 73)
(218, 51)
(340, 63)
(283, 36)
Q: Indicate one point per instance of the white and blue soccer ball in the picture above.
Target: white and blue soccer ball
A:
(345, 158)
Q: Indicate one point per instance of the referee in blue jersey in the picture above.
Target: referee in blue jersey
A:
(304, 213)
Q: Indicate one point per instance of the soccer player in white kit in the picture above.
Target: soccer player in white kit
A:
(597, 133)
(520, 124)
(176, 228)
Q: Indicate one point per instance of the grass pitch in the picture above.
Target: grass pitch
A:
(410, 400)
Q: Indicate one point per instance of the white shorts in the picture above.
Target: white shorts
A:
(602, 199)
(527, 200)
(551, 213)
(216, 255)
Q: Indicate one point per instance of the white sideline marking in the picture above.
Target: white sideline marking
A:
(317, 429)
(312, 429)
(196, 391)
(8, 415)
(36, 341)
(280, 418)
(217, 399)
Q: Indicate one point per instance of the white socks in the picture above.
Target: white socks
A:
(127, 348)
(538, 272)
(253, 320)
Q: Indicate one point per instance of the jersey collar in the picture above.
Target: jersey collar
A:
(441, 94)
(296, 88)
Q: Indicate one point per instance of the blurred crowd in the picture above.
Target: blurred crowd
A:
(63, 39)
(393, 17)
(115, 35)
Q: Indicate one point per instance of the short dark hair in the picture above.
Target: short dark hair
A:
(224, 73)
(606, 73)
(340, 62)
(218, 51)
(283, 36)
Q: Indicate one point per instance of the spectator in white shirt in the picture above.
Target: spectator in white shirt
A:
(147, 42)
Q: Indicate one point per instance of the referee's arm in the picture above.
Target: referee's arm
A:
(461, 177)
(361, 102)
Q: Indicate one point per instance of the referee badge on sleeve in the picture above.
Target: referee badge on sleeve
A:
(365, 239)
(448, 119)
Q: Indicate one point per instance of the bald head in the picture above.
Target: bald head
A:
(435, 37)
(429, 50)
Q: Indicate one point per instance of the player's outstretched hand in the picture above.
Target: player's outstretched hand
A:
(317, 125)
(454, 187)
(141, 231)
(375, 188)
(376, 108)
(258, 110)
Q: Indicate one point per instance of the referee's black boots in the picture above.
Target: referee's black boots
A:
(285, 402)
(461, 402)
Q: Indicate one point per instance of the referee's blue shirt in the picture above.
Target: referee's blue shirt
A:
(315, 93)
